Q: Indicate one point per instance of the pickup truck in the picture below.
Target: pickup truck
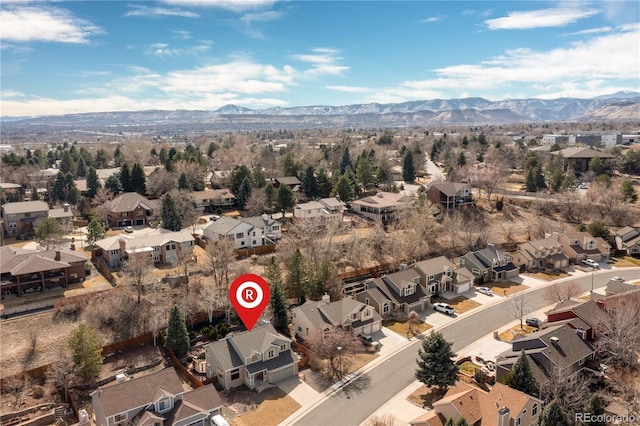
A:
(444, 308)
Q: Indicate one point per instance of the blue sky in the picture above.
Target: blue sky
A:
(62, 57)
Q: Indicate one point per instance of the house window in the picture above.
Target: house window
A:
(449, 272)
(476, 272)
(123, 214)
(270, 354)
(254, 233)
(409, 289)
(366, 313)
(284, 347)
(461, 262)
(354, 316)
(517, 421)
(235, 374)
(168, 247)
(366, 301)
(254, 242)
(385, 308)
(120, 418)
(581, 362)
(534, 409)
(300, 329)
(239, 235)
(27, 215)
(591, 245)
(139, 212)
(431, 277)
(164, 404)
(275, 228)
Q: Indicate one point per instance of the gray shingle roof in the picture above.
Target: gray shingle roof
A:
(337, 312)
(129, 201)
(224, 225)
(25, 207)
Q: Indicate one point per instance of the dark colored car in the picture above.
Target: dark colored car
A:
(533, 322)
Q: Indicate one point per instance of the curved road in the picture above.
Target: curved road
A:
(358, 400)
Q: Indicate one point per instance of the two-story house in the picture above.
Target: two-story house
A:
(155, 399)
(440, 275)
(584, 317)
(271, 229)
(129, 209)
(381, 207)
(581, 245)
(313, 318)
(324, 209)
(252, 358)
(545, 253)
(164, 246)
(489, 264)
(25, 271)
(395, 294)
(628, 241)
(450, 195)
(501, 406)
(19, 218)
(243, 234)
(556, 353)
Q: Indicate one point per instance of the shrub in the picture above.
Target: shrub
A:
(499, 204)
(38, 392)
(223, 329)
(213, 334)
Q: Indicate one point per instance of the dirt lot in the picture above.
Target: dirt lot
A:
(269, 407)
(506, 288)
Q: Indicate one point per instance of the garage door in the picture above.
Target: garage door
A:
(282, 374)
(376, 327)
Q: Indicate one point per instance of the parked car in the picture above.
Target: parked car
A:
(128, 229)
(617, 279)
(582, 186)
(484, 290)
(533, 322)
(368, 340)
(591, 263)
(444, 308)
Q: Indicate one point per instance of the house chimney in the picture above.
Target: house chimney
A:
(57, 255)
(503, 417)
(65, 207)
(326, 299)
(554, 340)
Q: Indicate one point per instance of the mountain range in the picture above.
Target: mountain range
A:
(621, 106)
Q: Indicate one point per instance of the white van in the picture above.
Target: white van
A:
(218, 420)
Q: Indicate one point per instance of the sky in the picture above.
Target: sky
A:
(61, 57)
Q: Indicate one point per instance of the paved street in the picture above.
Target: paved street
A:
(386, 377)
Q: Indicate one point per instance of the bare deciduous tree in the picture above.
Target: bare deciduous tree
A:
(382, 420)
(221, 258)
(559, 293)
(619, 333)
(137, 268)
(337, 347)
(413, 320)
(518, 305)
(62, 371)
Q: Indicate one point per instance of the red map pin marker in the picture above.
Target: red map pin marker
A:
(249, 294)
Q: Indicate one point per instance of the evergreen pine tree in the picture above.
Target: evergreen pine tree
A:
(285, 199)
(70, 190)
(183, 183)
(552, 415)
(595, 407)
(436, 365)
(343, 189)
(324, 183)
(114, 185)
(170, 217)
(270, 193)
(462, 160)
(258, 178)
(125, 178)
(521, 377)
(81, 168)
(58, 192)
(309, 183)
(296, 275)
(345, 161)
(177, 338)
(95, 231)
(278, 301)
(93, 182)
(237, 175)
(138, 179)
(408, 168)
(244, 193)
(364, 172)
(86, 351)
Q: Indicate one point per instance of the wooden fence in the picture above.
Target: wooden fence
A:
(102, 267)
(271, 248)
(301, 349)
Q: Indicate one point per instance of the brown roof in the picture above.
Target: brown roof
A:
(138, 392)
(449, 188)
(198, 401)
(25, 207)
(384, 199)
(580, 152)
(128, 201)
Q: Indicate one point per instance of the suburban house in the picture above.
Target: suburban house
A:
(395, 294)
(246, 232)
(313, 318)
(501, 406)
(581, 245)
(544, 253)
(450, 195)
(440, 275)
(324, 209)
(381, 207)
(578, 158)
(628, 241)
(220, 178)
(20, 217)
(213, 200)
(26, 271)
(584, 317)
(557, 351)
(271, 229)
(615, 287)
(489, 264)
(290, 181)
(128, 209)
(252, 358)
(164, 246)
(155, 399)
(63, 214)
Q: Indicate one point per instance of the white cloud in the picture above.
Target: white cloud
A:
(154, 12)
(430, 20)
(599, 30)
(270, 15)
(585, 68)
(350, 89)
(233, 5)
(323, 61)
(558, 17)
(163, 50)
(184, 35)
(25, 24)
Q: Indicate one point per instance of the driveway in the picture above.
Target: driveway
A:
(389, 341)
(300, 391)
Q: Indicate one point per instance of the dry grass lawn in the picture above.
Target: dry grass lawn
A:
(401, 327)
(626, 262)
(506, 287)
(550, 276)
(511, 333)
(461, 304)
(276, 407)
